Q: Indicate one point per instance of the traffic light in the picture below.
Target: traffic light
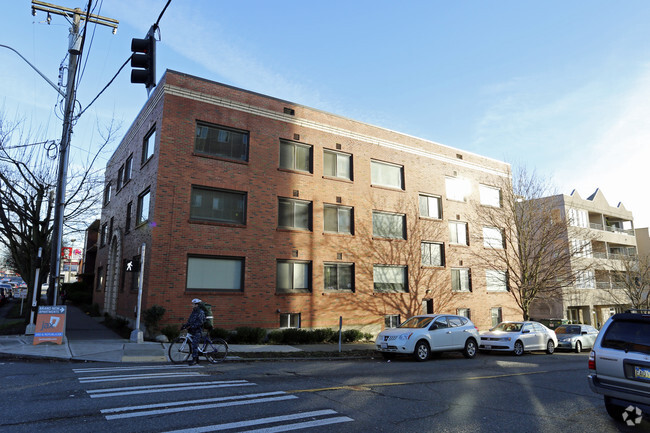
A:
(143, 60)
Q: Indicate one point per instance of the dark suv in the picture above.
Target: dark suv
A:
(620, 365)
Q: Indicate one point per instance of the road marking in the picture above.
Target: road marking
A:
(367, 386)
(273, 419)
(188, 386)
(301, 425)
(94, 379)
(190, 405)
(140, 367)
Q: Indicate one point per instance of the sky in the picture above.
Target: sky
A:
(560, 87)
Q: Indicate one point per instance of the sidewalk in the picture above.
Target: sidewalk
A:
(88, 340)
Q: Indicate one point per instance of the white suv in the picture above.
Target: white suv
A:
(620, 365)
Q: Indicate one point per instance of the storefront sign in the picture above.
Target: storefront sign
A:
(50, 324)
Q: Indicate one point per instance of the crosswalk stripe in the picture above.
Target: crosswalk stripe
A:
(169, 388)
(167, 385)
(187, 402)
(138, 367)
(199, 407)
(259, 421)
(301, 425)
(95, 379)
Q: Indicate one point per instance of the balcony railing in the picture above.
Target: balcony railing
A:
(611, 229)
(613, 256)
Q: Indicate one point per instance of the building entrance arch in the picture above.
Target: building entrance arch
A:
(113, 270)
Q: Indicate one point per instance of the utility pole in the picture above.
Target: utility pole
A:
(74, 48)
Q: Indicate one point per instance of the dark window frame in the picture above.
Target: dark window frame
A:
(211, 126)
(242, 194)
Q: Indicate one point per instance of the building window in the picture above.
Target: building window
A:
(148, 146)
(294, 214)
(337, 164)
(135, 275)
(464, 312)
(222, 142)
(586, 279)
(496, 281)
(223, 274)
(107, 193)
(385, 174)
(293, 276)
(218, 205)
(457, 189)
(295, 156)
(103, 235)
(100, 279)
(129, 210)
(460, 280)
(390, 279)
(123, 274)
(495, 313)
(458, 233)
(128, 169)
(338, 219)
(120, 178)
(578, 218)
(492, 238)
(430, 206)
(388, 225)
(110, 229)
(489, 195)
(289, 320)
(581, 248)
(339, 277)
(433, 254)
(143, 208)
(392, 320)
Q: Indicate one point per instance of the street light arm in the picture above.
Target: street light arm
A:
(34, 68)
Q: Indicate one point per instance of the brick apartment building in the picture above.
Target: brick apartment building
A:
(280, 215)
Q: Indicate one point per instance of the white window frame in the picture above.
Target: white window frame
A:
(295, 270)
(463, 278)
(496, 280)
(378, 177)
(489, 195)
(294, 203)
(339, 215)
(290, 148)
(292, 320)
(457, 188)
(338, 266)
(458, 233)
(425, 202)
(492, 238)
(342, 160)
(148, 145)
(426, 251)
(215, 273)
(143, 199)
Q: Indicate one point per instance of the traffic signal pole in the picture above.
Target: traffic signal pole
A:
(74, 49)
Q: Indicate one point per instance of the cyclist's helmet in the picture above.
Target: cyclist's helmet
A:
(196, 301)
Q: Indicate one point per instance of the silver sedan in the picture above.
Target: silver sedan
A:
(576, 337)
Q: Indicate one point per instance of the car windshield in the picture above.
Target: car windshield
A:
(573, 329)
(508, 327)
(416, 322)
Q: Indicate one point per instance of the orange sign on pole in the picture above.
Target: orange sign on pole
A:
(50, 324)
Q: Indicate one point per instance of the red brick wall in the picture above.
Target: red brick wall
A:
(175, 168)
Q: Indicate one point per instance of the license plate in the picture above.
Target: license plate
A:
(384, 345)
(642, 373)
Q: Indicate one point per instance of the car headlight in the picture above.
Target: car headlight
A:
(405, 336)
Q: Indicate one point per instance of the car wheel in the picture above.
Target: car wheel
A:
(550, 347)
(471, 349)
(519, 348)
(388, 356)
(422, 351)
(614, 410)
(578, 347)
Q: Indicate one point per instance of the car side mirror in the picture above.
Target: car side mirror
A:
(433, 327)
(584, 333)
(525, 331)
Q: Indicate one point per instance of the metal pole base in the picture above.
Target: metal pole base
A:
(137, 336)
(31, 329)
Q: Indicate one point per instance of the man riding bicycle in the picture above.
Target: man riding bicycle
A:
(194, 326)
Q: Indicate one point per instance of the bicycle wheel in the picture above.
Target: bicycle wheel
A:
(215, 351)
(179, 350)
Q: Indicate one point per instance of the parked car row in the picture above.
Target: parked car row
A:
(420, 336)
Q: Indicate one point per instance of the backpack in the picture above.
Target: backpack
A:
(208, 323)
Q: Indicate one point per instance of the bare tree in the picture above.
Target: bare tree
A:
(630, 281)
(426, 280)
(532, 252)
(28, 175)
